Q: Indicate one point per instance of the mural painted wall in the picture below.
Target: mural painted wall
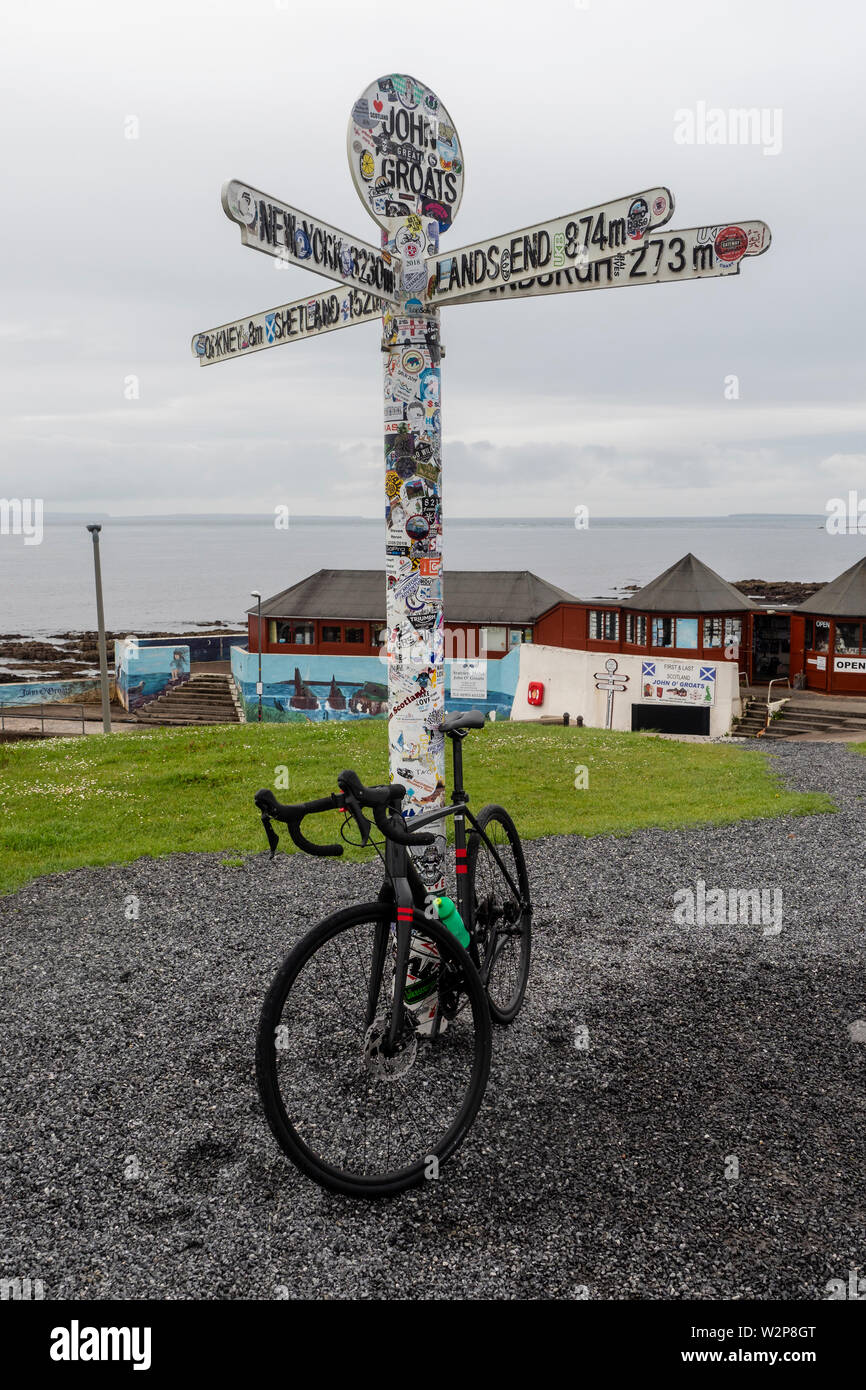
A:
(318, 688)
(216, 647)
(78, 692)
(142, 673)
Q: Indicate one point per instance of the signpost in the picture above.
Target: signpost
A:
(698, 253)
(613, 683)
(578, 239)
(296, 237)
(407, 165)
(304, 318)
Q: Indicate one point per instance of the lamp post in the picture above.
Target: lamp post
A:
(256, 595)
(100, 622)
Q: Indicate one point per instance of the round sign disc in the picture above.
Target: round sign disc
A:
(404, 152)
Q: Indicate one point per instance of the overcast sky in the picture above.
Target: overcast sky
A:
(116, 251)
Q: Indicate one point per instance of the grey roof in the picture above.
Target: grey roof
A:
(843, 597)
(471, 596)
(689, 586)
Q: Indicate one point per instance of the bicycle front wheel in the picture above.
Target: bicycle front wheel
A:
(351, 1115)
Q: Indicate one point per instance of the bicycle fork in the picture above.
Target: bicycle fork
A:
(400, 898)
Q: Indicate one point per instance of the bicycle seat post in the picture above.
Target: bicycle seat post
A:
(458, 792)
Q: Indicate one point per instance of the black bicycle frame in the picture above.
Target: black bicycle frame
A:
(404, 887)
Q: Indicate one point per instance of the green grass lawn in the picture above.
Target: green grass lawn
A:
(101, 800)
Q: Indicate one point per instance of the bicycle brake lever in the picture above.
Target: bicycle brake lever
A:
(273, 837)
(354, 809)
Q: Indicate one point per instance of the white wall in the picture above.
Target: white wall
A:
(569, 684)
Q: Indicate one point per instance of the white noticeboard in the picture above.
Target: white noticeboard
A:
(850, 665)
(677, 682)
(468, 679)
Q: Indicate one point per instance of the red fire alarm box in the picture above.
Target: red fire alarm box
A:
(535, 693)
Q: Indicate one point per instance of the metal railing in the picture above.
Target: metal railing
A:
(774, 681)
(29, 712)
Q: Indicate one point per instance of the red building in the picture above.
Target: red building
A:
(828, 635)
(689, 612)
(342, 613)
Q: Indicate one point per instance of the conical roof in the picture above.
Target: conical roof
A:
(689, 586)
(843, 597)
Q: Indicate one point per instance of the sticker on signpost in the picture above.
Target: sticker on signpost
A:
(404, 152)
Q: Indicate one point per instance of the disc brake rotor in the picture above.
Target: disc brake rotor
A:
(382, 1066)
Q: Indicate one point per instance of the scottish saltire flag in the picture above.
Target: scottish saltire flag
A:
(647, 668)
(269, 327)
(708, 673)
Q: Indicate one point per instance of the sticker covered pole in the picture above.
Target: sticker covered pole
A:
(407, 166)
(413, 570)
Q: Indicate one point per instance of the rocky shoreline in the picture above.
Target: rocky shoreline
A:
(74, 655)
(782, 591)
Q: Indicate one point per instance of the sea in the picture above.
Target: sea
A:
(182, 573)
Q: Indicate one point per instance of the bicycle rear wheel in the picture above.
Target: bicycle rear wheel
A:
(501, 919)
(352, 1118)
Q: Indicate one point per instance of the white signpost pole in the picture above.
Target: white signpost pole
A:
(407, 165)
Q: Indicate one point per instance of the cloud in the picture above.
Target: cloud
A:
(121, 252)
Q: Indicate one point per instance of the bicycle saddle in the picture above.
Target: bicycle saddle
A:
(462, 719)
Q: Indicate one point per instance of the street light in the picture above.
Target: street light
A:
(256, 595)
(100, 622)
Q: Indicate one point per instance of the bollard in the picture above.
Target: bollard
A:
(565, 718)
(579, 721)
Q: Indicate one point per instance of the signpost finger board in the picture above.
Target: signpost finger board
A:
(696, 253)
(293, 236)
(579, 238)
(287, 323)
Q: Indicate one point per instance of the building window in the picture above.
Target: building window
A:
(635, 629)
(603, 625)
(493, 639)
(733, 632)
(355, 634)
(822, 635)
(299, 634)
(663, 632)
(712, 632)
(848, 638)
(687, 633)
(332, 634)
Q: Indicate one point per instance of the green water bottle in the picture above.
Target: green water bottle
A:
(450, 918)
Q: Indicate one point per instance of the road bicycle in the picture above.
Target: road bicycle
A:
(374, 1043)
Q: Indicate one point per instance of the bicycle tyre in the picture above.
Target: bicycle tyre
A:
(284, 1127)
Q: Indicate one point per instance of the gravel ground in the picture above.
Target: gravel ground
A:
(136, 1161)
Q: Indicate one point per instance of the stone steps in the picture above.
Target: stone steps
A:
(798, 718)
(205, 699)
